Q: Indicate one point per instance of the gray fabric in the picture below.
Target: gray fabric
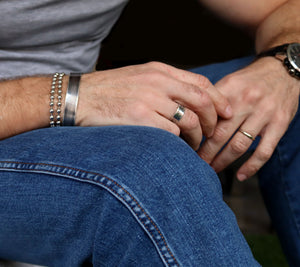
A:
(45, 36)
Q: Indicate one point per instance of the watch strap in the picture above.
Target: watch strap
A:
(273, 51)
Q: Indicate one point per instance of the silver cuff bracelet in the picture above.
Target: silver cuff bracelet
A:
(71, 99)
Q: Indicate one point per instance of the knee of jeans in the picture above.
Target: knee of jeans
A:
(135, 155)
(149, 146)
(153, 158)
(132, 143)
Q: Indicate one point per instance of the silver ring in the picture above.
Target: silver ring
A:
(179, 112)
(247, 134)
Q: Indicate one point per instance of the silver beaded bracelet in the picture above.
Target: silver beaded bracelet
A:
(71, 99)
(55, 106)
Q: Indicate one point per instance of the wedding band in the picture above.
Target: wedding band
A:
(179, 113)
(247, 134)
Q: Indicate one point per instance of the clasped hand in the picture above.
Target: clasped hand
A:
(149, 95)
(259, 100)
(264, 99)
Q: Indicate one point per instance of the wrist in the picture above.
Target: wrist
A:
(34, 93)
(288, 54)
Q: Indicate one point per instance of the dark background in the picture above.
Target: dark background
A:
(179, 32)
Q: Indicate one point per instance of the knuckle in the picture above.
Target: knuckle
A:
(220, 134)
(252, 96)
(283, 118)
(206, 153)
(153, 64)
(230, 79)
(252, 168)
(196, 92)
(238, 146)
(205, 100)
(204, 156)
(264, 154)
(203, 81)
(157, 65)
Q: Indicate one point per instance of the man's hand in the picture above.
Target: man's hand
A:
(264, 98)
(148, 95)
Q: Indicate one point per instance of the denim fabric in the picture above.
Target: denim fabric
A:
(280, 184)
(113, 196)
(279, 178)
(217, 71)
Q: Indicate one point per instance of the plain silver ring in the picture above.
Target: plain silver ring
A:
(179, 112)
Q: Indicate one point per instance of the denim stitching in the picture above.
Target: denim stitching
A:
(107, 183)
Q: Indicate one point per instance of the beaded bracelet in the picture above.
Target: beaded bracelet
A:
(71, 99)
(55, 106)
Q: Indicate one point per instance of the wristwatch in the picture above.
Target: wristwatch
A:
(289, 54)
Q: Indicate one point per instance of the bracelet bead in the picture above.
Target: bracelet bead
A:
(55, 99)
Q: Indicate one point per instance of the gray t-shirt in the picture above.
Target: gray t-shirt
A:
(46, 36)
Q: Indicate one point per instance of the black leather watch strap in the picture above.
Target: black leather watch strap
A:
(273, 51)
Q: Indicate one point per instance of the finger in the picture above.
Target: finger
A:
(237, 146)
(198, 101)
(191, 136)
(210, 148)
(188, 123)
(190, 128)
(159, 112)
(239, 143)
(154, 119)
(263, 152)
(221, 103)
(194, 99)
(205, 110)
(187, 94)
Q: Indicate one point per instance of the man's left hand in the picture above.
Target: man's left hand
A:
(264, 99)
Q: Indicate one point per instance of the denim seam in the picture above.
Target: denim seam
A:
(285, 191)
(105, 182)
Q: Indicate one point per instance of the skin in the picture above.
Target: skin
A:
(263, 96)
(145, 95)
(261, 99)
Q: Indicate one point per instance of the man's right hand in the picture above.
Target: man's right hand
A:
(149, 95)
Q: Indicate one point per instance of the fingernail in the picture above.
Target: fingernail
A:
(228, 111)
(242, 177)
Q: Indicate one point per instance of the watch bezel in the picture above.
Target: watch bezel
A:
(288, 53)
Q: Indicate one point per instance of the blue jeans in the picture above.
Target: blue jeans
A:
(113, 196)
(280, 177)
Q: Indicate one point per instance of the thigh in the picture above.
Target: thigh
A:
(62, 204)
(162, 204)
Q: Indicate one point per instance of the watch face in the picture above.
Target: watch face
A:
(293, 54)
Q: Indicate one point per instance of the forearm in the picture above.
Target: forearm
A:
(243, 14)
(281, 26)
(24, 105)
(274, 21)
